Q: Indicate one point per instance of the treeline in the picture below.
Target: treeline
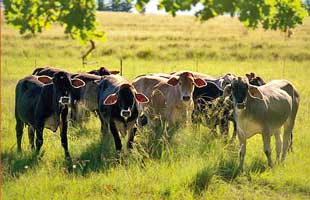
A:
(114, 5)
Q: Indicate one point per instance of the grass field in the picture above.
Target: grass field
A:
(196, 165)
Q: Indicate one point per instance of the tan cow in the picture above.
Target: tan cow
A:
(171, 99)
(264, 109)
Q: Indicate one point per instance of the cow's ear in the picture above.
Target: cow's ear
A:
(114, 72)
(227, 90)
(262, 82)
(77, 83)
(200, 82)
(173, 81)
(141, 98)
(255, 92)
(110, 100)
(45, 79)
(97, 81)
(248, 76)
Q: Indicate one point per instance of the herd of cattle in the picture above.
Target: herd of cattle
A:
(44, 99)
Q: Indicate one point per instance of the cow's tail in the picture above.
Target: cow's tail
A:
(37, 70)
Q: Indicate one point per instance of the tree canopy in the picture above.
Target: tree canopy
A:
(271, 14)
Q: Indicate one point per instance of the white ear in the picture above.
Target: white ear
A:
(255, 92)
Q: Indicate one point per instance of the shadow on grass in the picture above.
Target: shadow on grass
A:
(203, 179)
(98, 156)
(258, 166)
(14, 163)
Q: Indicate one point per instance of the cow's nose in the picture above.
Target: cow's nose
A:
(125, 113)
(240, 105)
(186, 98)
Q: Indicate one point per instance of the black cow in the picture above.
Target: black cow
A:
(102, 71)
(50, 71)
(118, 101)
(42, 102)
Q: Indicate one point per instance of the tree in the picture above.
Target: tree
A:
(34, 16)
(271, 14)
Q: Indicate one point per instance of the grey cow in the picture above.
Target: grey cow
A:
(264, 109)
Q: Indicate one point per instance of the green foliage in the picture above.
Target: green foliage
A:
(272, 14)
(77, 16)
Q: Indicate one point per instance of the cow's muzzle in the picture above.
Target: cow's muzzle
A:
(241, 105)
(186, 98)
(65, 100)
(125, 114)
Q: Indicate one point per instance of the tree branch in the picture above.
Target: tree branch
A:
(92, 47)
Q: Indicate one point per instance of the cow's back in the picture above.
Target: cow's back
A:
(146, 84)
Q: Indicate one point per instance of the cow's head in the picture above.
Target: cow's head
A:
(105, 71)
(126, 98)
(226, 79)
(185, 83)
(240, 89)
(64, 87)
(255, 80)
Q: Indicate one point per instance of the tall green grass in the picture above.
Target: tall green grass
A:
(194, 164)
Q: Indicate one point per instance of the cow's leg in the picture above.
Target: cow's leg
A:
(131, 137)
(39, 138)
(31, 136)
(104, 126)
(63, 131)
(267, 148)
(278, 143)
(242, 152)
(117, 140)
(235, 130)
(287, 137)
(19, 134)
(224, 126)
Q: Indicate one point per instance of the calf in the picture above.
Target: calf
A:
(118, 108)
(264, 109)
(169, 98)
(42, 102)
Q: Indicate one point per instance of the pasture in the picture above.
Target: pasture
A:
(196, 164)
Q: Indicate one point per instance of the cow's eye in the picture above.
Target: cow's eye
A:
(180, 83)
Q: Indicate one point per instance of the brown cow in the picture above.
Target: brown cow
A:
(170, 99)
